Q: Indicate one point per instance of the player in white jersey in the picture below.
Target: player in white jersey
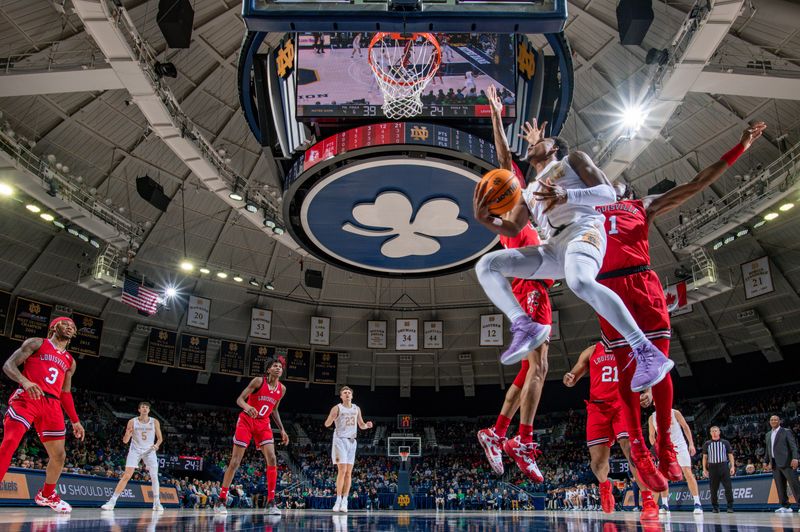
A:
(356, 45)
(144, 435)
(561, 200)
(684, 451)
(347, 417)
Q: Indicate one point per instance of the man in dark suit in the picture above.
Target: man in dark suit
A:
(782, 456)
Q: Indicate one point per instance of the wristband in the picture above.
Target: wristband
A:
(69, 407)
(733, 154)
(497, 221)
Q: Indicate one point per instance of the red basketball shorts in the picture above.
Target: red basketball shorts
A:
(248, 428)
(532, 296)
(605, 423)
(44, 413)
(643, 295)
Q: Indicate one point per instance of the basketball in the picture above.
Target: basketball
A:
(501, 189)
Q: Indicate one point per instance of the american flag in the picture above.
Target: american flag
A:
(143, 299)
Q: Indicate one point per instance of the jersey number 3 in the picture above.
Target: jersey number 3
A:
(53, 376)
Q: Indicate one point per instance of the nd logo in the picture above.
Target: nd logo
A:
(284, 59)
(403, 500)
(525, 59)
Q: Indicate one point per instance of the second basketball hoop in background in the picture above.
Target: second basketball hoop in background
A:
(403, 65)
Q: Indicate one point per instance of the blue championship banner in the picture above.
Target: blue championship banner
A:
(161, 347)
(260, 355)
(5, 303)
(299, 365)
(193, 352)
(325, 365)
(20, 485)
(750, 492)
(231, 358)
(31, 319)
(87, 340)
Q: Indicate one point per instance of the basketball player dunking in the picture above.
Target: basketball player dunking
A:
(144, 434)
(260, 402)
(561, 199)
(525, 392)
(605, 421)
(45, 384)
(626, 271)
(347, 417)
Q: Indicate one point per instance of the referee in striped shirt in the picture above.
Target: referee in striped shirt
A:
(718, 465)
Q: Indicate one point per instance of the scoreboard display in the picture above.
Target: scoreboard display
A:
(180, 463)
(405, 422)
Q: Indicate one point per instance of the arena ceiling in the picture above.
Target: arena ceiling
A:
(106, 140)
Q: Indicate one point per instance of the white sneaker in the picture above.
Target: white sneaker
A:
(221, 509)
(343, 506)
(157, 506)
(698, 509)
(54, 502)
(783, 510)
(109, 505)
(273, 509)
(337, 506)
(493, 447)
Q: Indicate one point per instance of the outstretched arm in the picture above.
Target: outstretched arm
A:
(598, 189)
(579, 369)
(658, 205)
(18, 358)
(498, 131)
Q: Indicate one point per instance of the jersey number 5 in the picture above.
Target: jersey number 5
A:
(53, 376)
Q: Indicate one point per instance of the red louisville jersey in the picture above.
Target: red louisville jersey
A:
(47, 367)
(527, 237)
(628, 235)
(603, 375)
(266, 399)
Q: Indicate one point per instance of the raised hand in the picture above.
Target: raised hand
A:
(533, 133)
(752, 133)
(551, 194)
(494, 100)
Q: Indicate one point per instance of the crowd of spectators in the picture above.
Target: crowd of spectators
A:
(451, 473)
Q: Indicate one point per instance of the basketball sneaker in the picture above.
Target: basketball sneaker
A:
(524, 454)
(272, 509)
(54, 502)
(108, 506)
(157, 506)
(698, 509)
(668, 463)
(493, 447)
(651, 367)
(663, 510)
(221, 508)
(527, 335)
(606, 497)
(647, 470)
(343, 505)
(338, 505)
(649, 510)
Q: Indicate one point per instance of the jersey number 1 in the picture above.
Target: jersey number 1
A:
(612, 221)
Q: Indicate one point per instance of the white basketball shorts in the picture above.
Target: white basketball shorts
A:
(147, 456)
(343, 450)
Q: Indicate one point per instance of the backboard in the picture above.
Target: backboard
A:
(412, 443)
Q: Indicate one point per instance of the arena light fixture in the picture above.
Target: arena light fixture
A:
(759, 224)
(728, 239)
(770, 216)
(238, 278)
(222, 275)
(251, 207)
(59, 224)
(253, 282)
(742, 232)
(94, 243)
(71, 230)
(785, 207)
(83, 237)
(187, 266)
(46, 216)
(269, 286)
(236, 195)
(33, 208)
(170, 292)
(278, 230)
(633, 118)
(269, 222)
(205, 271)
(6, 190)
(718, 244)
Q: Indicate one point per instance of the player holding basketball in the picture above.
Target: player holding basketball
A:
(45, 384)
(626, 271)
(525, 392)
(561, 199)
(347, 417)
(260, 402)
(605, 421)
(677, 429)
(144, 435)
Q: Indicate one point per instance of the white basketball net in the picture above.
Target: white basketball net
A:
(403, 67)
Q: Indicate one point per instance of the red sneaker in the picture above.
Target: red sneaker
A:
(493, 447)
(54, 502)
(668, 463)
(606, 497)
(649, 510)
(524, 454)
(647, 471)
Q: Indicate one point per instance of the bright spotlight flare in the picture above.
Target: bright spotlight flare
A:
(170, 292)
(633, 119)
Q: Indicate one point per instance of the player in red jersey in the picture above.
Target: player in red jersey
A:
(605, 421)
(626, 270)
(45, 387)
(525, 392)
(260, 402)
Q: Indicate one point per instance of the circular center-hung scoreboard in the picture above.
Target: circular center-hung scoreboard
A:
(394, 197)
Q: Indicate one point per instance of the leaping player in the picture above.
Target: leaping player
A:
(259, 402)
(347, 417)
(605, 421)
(561, 199)
(626, 271)
(45, 384)
(525, 392)
(144, 434)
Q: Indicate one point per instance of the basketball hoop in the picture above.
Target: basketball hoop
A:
(404, 453)
(403, 66)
